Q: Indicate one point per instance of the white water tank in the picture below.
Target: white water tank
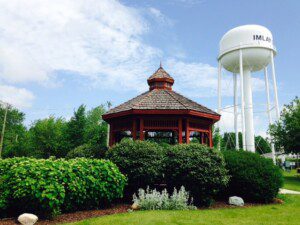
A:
(256, 42)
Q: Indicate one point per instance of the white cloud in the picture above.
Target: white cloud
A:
(101, 40)
(18, 97)
(160, 17)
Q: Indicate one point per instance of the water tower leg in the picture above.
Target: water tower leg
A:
(269, 110)
(242, 99)
(250, 146)
(275, 86)
(235, 111)
(219, 102)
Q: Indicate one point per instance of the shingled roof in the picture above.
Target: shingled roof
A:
(161, 99)
(160, 73)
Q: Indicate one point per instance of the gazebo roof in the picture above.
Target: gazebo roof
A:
(160, 98)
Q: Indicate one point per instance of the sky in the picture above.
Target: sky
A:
(58, 54)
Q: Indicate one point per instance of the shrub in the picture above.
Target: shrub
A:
(141, 161)
(47, 187)
(253, 177)
(197, 167)
(86, 151)
(155, 200)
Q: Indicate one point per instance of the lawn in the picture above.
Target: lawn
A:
(287, 213)
(291, 180)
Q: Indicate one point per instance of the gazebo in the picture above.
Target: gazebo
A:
(161, 114)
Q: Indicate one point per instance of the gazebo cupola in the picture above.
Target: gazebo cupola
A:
(160, 80)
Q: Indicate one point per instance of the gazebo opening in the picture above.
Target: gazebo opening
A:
(161, 115)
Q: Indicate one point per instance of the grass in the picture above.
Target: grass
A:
(287, 213)
(291, 180)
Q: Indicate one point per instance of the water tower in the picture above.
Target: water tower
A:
(243, 50)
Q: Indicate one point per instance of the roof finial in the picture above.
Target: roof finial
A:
(160, 64)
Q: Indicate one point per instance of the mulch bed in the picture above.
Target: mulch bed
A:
(75, 216)
(121, 208)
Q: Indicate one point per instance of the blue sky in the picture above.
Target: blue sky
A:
(58, 54)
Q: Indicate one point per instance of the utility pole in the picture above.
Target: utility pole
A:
(3, 130)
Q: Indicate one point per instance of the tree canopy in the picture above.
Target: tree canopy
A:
(286, 131)
(55, 136)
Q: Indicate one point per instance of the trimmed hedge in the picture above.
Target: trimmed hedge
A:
(48, 187)
(200, 169)
(253, 177)
(141, 161)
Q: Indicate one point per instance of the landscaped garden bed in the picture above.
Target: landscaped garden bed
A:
(199, 177)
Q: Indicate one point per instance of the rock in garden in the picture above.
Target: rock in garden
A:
(135, 206)
(234, 200)
(27, 219)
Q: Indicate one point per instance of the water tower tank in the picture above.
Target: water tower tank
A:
(256, 42)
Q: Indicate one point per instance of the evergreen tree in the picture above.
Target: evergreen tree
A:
(76, 128)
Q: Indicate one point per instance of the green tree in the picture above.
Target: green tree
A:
(76, 127)
(47, 137)
(95, 130)
(286, 131)
(262, 145)
(15, 141)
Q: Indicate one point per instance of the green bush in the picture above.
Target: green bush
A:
(200, 169)
(48, 187)
(86, 151)
(252, 177)
(141, 161)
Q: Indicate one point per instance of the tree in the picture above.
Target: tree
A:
(15, 137)
(47, 137)
(76, 128)
(286, 131)
(95, 130)
(262, 146)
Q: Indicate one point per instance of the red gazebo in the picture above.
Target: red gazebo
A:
(161, 113)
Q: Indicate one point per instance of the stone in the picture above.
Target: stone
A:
(135, 206)
(28, 219)
(234, 200)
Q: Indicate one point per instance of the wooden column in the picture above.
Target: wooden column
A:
(134, 129)
(210, 137)
(180, 131)
(142, 129)
(111, 136)
(202, 137)
(187, 131)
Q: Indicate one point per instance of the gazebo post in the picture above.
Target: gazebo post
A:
(210, 137)
(134, 129)
(187, 131)
(180, 131)
(202, 137)
(111, 136)
(142, 129)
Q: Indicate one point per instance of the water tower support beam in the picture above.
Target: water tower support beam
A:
(269, 109)
(242, 99)
(249, 127)
(219, 102)
(275, 86)
(235, 111)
